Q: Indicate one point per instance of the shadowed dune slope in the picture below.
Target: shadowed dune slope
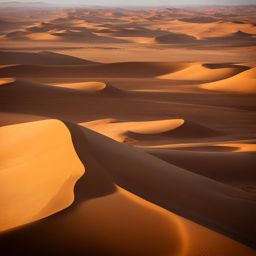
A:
(131, 225)
(244, 82)
(39, 168)
(41, 58)
(234, 168)
(123, 69)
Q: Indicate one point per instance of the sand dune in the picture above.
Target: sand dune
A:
(134, 132)
(202, 19)
(205, 72)
(238, 38)
(30, 152)
(216, 163)
(244, 82)
(157, 225)
(175, 38)
(84, 86)
(122, 133)
(84, 36)
(182, 129)
(125, 69)
(201, 31)
(41, 58)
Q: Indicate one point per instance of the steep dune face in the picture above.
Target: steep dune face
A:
(39, 168)
(241, 83)
(199, 72)
(131, 225)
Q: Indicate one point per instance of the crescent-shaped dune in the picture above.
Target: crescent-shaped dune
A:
(199, 72)
(99, 87)
(244, 82)
(120, 131)
(39, 168)
(156, 127)
(174, 128)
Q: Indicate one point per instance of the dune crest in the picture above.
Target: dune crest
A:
(30, 189)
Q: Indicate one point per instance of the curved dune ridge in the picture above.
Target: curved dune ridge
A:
(200, 72)
(173, 129)
(244, 82)
(99, 87)
(39, 168)
(120, 130)
(131, 225)
(156, 127)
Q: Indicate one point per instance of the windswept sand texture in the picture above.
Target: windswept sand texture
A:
(127, 131)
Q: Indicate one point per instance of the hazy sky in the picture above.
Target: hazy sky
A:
(144, 2)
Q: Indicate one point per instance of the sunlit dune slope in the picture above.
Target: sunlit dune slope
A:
(206, 72)
(85, 86)
(241, 83)
(39, 168)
